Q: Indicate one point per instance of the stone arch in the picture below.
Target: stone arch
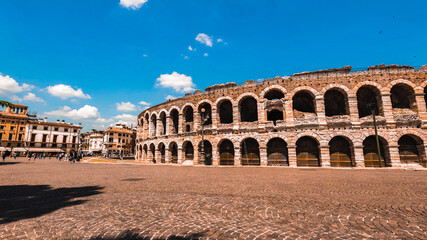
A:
(308, 152)
(173, 148)
(341, 152)
(207, 106)
(250, 153)
(248, 108)
(277, 152)
(369, 94)
(274, 116)
(225, 110)
(273, 87)
(411, 149)
(304, 103)
(174, 115)
(207, 149)
(370, 151)
(152, 152)
(336, 102)
(226, 152)
(153, 124)
(145, 149)
(162, 150)
(188, 114)
(162, 117)
(311, 90)
(403, 97)
(188, 151)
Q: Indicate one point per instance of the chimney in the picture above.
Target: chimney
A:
(57, 120)
(63, 121)
(45, 119)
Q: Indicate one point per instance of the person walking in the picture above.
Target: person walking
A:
(3, 156)
(29, 156)
(15, 155)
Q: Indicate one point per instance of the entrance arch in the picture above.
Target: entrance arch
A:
(277, 152)
(370, 152)
(308, 152)
(173, 148)
(226, 153)
(153, 152)
(188, 151)
(250, 152)
(340, 151)
(162, 151)
(410, 149)
(207, 147)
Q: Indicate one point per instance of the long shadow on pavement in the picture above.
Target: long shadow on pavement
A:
(8, 163)
(134, 235)
(28, 201)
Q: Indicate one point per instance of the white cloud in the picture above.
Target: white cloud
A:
(144, 103)
(205, 55)
(170, 97)
(127, 119)
(185, 57)
(66, 91)
(85, 113)
(103, 120)
(8, 86)
(29, 97)
(145, 55)
(191, 49)
(179, 82)
(126, 107)
(133, 4)
(219, 40)
(204, 39)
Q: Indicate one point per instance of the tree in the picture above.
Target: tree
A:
(4, 103)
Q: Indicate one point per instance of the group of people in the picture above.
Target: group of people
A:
(72, 157)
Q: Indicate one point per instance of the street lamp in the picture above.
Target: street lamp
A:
(372, 107)
(204, 118)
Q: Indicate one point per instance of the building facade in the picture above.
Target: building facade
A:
(42, 136)
(323, 118)
(118, 140)
(12, 127)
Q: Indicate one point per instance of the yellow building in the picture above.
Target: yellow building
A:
(13, 122)
(119, 140)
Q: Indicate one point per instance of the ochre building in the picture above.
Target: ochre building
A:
(13, 122)
(322, 118)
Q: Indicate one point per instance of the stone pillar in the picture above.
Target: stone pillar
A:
(422, 109)
(150, 156)
(292, 155)
(144, 156)
(354, 111)
(387, 109)
(168, 155)
(320, 111)
(215, 156)
(196, 155)
(169, 125)
(196, 121)
(159, 128)
(180, 123)
(237, 157)
(236, 117)
(215, 119)
(261, 114)
(358, 156)
(180, 155)
(263, 155)
(158, 156)
(394, 155)
(325, 158)
(289, 116)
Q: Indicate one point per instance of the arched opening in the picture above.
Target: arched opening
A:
(340, 151)
(370, 152)
(248, 110)
(226, 153)
(162, 151)
(153, 152)
(225, 110)
(277, 152)
(207, 158)
(274, 94)
(174, 152)
(274, 115)
(303, 104)
(250, 152)
(146, 152)
(366, 96)
(336, 103)
(308, 152)
(206, 116)
(163, 121)
(188, 114)
(403, 96)
(140, 152)
(153, 124)
(188, 151)
(425, 94)
(410, 149)
(174, 116)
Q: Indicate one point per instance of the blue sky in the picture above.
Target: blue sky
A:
(94, 61)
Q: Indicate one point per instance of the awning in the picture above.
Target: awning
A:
(19, 150)
(45, 150)
(2, 149)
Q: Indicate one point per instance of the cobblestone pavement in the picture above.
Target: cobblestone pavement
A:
(48, 199)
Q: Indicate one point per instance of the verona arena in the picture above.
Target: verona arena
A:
(322, 118)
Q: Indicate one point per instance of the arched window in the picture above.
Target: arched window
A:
(188, 114)
(174, 152)
(207, 149)
(163, 121)
(250, 152)
(274, 94)
(162, 150)
(174, 116)
(425, 94)
(410, 148)
(370, 152)
(403, 96)
(302, 103)
(274, 115)
(248, 110)
(308, 152)
(226, 153)
(225, 109)
(336, 103)
(340, 152)
(206, 114)
(366, 96)
(188, 151)
(277, 152)
(153, 124)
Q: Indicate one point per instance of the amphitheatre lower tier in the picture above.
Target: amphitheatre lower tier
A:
(323, 118)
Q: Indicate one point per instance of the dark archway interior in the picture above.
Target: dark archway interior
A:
(174, 117)
(277, 152)
(408, 150)
(225, 112)
(154, 122)
(248, 110)
(274, 115)
(307, 152)
(370, 152)
(162, 150)
(303, 102)
(207, 115)
(403, 96)
(153, 152)
(188, 151)
(250, 152)
(207, 146)
(145, 150)
(188, 114)
(226, 152)
(274, 94)
(425, 95)
(340, 152)
(365, 96)
(335, 103)
(163, 120)
(174, 152)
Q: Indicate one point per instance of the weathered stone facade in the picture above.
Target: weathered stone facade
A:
(322, 118)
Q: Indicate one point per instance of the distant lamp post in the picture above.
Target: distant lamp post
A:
(204, 118)
(372, 107)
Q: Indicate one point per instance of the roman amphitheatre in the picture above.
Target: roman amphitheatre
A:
(323, 118)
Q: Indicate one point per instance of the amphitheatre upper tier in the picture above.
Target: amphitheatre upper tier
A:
(321, 118)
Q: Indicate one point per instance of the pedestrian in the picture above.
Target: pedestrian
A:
(4, 156)
(29, 156)
(15, 155)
